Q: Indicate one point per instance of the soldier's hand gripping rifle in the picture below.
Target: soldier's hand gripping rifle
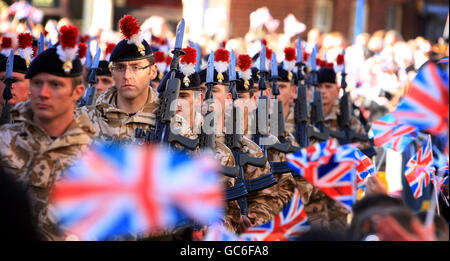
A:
(7, 93)
(317, 107)
(234, 142)
(167, 98)
(346, 108)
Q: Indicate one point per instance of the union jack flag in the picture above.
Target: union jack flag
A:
(419, 169)
(334, 174)
(364, 167)
(321, 152)
(289, 223)
(121, 190)
(220, 233)
(426, 105)
(390, 133)
(443, 60)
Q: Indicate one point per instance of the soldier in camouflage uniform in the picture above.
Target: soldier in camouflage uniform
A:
(323, 212)
(188, 121)
(131, 103)
(265, 204)
(46, 138)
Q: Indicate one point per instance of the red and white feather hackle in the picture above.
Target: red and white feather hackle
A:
(339, 63)
(187, 63)
(6, 46)
(67, 50)
(108, 50)
(82, 51)
(132, 32)
(290, 59)
(160, 61)
(221, 62)
(25, 47)
(245, 73)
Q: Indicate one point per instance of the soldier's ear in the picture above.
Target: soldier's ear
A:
(78, 92)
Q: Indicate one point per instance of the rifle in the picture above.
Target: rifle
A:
(346, 108)
(7, 93)
(91, 92)
(278, 111)
(168, 95)
(207, 140)
(234, 141)
(317, 107)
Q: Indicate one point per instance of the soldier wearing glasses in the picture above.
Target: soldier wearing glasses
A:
(130, 104)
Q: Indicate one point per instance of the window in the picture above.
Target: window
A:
(323, 15)
(394, 17)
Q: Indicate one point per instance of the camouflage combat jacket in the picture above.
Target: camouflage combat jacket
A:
(37, 160)
(113, 124)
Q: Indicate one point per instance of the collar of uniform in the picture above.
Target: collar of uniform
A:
(79, 132)
(107, 105)
(335, 111)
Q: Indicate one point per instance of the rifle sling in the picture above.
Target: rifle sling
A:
(260, 183)
(235, 192)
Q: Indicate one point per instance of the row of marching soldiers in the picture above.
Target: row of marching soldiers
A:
(59, 100)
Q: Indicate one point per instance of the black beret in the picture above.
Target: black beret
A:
(193, 84)
(285, 76)
(124, 52)
(202, 75)
(326, 75)
(48, 61)
(103, 68)
(20, 65)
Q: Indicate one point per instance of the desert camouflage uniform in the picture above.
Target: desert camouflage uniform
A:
(323, 212)
(112, 124)
(264, 203)
(290, 120)
(224, 155)
(37, 160)
(331, 120)
(285, 182)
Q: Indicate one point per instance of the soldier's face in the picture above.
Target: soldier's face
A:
(20, 88)
(53, 97)
(220, 94)
(285, 92)
(132, 83)
(186, 102)
(330, 93)
(104, 82)
(245, 103)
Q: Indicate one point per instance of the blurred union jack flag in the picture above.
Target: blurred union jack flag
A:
(289, 223)
(335, 177)
(426, 105)
(120, 190)
(390, 133)
(364, 167)
(419, 169)
(321, 152)
(441, 184)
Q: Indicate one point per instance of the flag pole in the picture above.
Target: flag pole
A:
(381, 160)
(430, 213)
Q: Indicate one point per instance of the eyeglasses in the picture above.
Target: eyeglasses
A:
(121, 68)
